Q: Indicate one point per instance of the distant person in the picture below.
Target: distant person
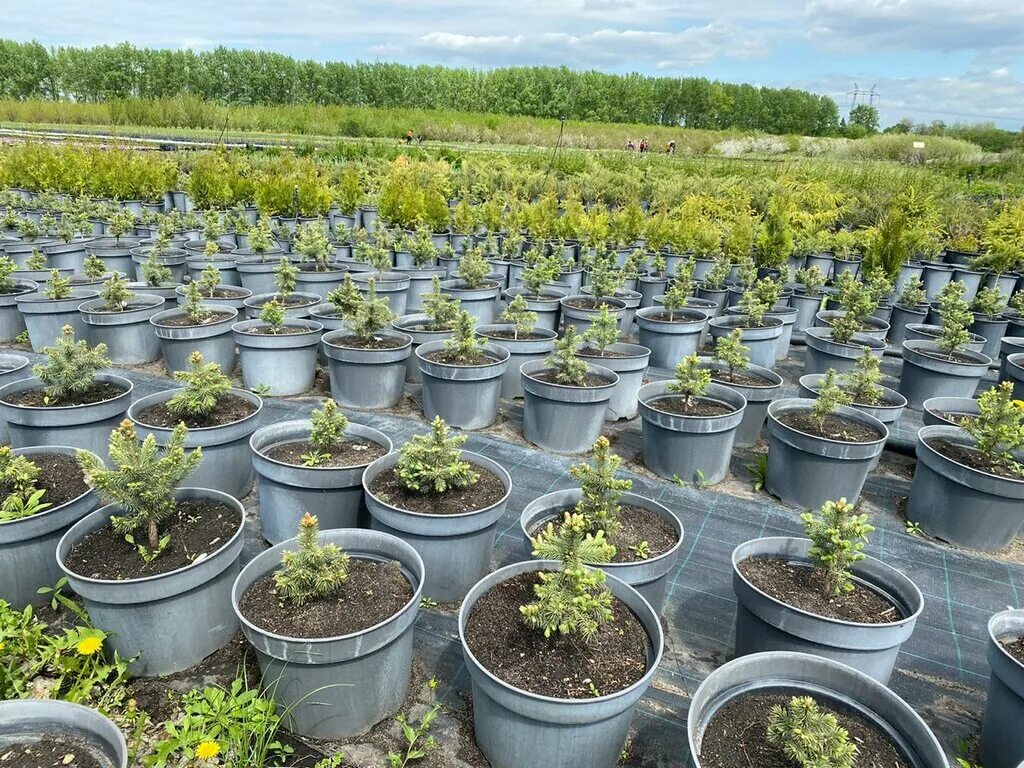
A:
(643, 146)
(631, 146)
(409, 137)
(671, 148)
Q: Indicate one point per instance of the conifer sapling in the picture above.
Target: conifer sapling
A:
(464, 345)
(432, 463)
(540, 273)
(116, 294)
(272, 313)
(605, 278)
(989, 302)
(285, 278)
(731, 351)
(18, 476)
(812, 280)
(312, 243)
(71, 367)
(518, 314)
(956, 318)
(568, 368)
(7, 268)
(809, 737)
(327, 432)
(691, 381)
(862, 382)
(675, 298)
(37, 261)
(830, 397)
(93, 267)
(193, 306)
(601, 490)
(998, 429)
(603, 330)
(838, 538)
(371, 315)
(913, 293)
(209, 279)
(312, 570)
(261, 238)
(205, 385)
(346, 297)
(441, 308)
(474, 268)
(57, 287)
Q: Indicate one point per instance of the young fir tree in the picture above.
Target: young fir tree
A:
(812, 279)
(155, 274)
(327, 432)
(205, 385)
(474, 268)
(71, 367)
(346, 297)
(830, 397)
(209, 279)
(518, 314)
(7, 268)
(754, 308)
(809, 737)
(286, 277)
(261, 237)
(675, 299)
(116, 294)
(730, 351)
(193, 306)
(862, 382)
(18, 476)
(312, 244)
(572, 600)
(57, 287)
(998, 430)
(601, 490)
(838, 538)
(956, 318)
(989, 302)
(605, 278)
(432, 463)
(142, 482)
(120, 222)
(691, 380)
(539, 274)
(683, 279)
(913, 293)
(93, 267)
(603, 331)
(272, 313)
(37, 261)
(464, 345)
(568, 368)
(371, 316)
(312, 571)
(441, 308)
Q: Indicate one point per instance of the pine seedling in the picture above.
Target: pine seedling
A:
(843, 327)
(327, 431)
(272, 313)
(830, 397)
(683, 279)
(155, 274)
(37, 261)
(346, 297)
(838, 538)
(371, 315)
(213, 227)
(913, 293)
(956, 317)
(93, 267)
(809, 737)
(211, 250)
(572, 600)
(878, 285)
(312, 243)
(601, 490)
(261, 238)
(731, 351)
(312, 570)
(71, 366)
(7, 268)
(464, 345)
(989, 302)
(603, 330)
(116, 294)
(57, 287)
(205, 384)
(421, 247)
(675, 299)
(691, 381)
(474, 268)
(441, 308)
(862, 382)
(998, 430)
(120, 222)
(854, 297)
(285, 278)
(374, 254)
(605, 278)
(658, 265)
(812, 280)
(754, 309)
(432, 463)
(540, 273)
(143, 482)
(746, 273)
(209, 279)
(519, 315)
(193, 306)
(569, 369)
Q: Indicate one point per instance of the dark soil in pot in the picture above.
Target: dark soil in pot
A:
(129, 307)
(447, 358)
(638, 525)
(737, 735)
(836, 427)
(351, 453)
(386, 342)
(487, 491)
(1015, 647)
(532, 336)
(51, 751)
(59, 476)
(229, 409)
(287, 330)
(956, 357)
(591, 380)
(740, 378)
(577, 303)
(373, 592)
(800, 586)
(197, 527)
(184, 321)
(952, 417)
(592, 352)
(36, 398)
(973, 458)
(225, 293)
(667, 317)
(559, 666)
(284, 301)
(697, 406)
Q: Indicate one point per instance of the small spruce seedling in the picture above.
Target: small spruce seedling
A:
(830, 397)
(518, 314)
(913, 293)
(346, 297)
(441, 308)
(956, 318)
(209, 279)
(285, 278)
(691, 381)
(57, 287)
(474, 268)
(272, 313)
(601, 490)
(539, 274)
(568, 368)
(37, 261)
(261, 237)
(989, 302)
(809, 737)
(205, 385)
(862, 382)
(464, 345)
(155, 274)
(675, 299)
(312, 571)
(605, 278)
(142, 482)
(371, 315)
(116, 294)
(93, 267)
(193, 306)
(7, 268)
(312, 243)
(838, 539)
(730, 351)
(327, 432)
(998, 430)
(71, 367)
(603, 330)
(812, 280)
(433, 463)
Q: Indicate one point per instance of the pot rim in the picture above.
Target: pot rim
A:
(843, 410)
(38, 384)
(306, 423)
(169, 393)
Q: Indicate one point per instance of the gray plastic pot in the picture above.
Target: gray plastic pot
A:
(807, 307)
(116, 253)
(805, 470)
(12, 368)
(295, 311)
(227, 463)
(935, 276)
(320, 283)
(670, 342)
(560, 418)
(870, 325)
(788, 317)
(407, 324)
(631, 299)
(236, 300)
(128, 334)
(924, 376)
(393, 286)
(931, 408)
(649, 577)
(631, 366)
(61, 255)
(12, 322)
(224, 264)
(45, 317)
(1002, 739)
(992, 330)
(465, 396)
(971, 280)
(927, 332)
(762, 342)
(28, 546)
(288, 491)
(757, 396)
(887, 412)
(1013, 370)
(828, 681)
(77, 426)
(548, 310)
(256, 273)
(692, 448)
(907, 271)
(214, 341)
(366, 378)
(516, 728)
(286, 363)
(456, 549)
(336, 687)
(172, 258)
(174, 620)
(540, 344)
(650, 286)
(960, 504)
(764, 623)
(28, 720)
(582, 317)
(480, 302)
(717, 295)
(823, 353)
(420, 279)
(901, 317)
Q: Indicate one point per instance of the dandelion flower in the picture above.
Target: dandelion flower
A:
(208, 750)
(87, 646)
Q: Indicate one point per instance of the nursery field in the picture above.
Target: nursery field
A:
(443, 458)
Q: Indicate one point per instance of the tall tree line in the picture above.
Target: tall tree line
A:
(243, 77)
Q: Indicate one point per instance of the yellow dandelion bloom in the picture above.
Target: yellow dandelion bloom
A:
(1019, 403)
(208, 750)
(87, 646)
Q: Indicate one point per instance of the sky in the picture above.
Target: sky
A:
(950, 60)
